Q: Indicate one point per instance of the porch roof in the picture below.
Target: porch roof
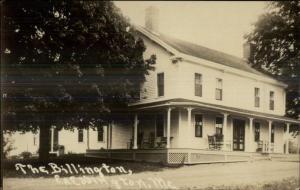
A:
(214, 107)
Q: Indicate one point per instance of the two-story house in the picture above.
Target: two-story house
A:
(199, 105)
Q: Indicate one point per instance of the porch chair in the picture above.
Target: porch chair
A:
(219, 141)
(211, 142)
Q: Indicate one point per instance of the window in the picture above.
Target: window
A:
(198, 84)
(80, 135)
(271, 100)
(160, 84)
(219, 89)
(219, 125)
(256, 131)
(100, 133)
(34, 140)
(198, 125)
(256, 97)
(159, 126)
(272, 133)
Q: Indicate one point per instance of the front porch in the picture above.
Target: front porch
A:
(188, 133)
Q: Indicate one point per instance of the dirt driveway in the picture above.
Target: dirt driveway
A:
(187, 177)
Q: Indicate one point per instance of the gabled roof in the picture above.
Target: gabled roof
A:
(202, 52)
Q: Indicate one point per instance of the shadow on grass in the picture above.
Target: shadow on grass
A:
(291, 183)
(9, 168)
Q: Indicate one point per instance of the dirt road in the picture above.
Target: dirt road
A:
(187, 177)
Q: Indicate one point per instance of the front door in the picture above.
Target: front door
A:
(238, 135)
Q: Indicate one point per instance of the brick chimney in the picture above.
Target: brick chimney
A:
(152, 19)
(248, 53)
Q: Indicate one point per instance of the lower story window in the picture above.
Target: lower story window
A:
(198, 125)
(257, 131)
(80, 135)
(219, 125)
(272, 133)
(159, 126)
(100, 133)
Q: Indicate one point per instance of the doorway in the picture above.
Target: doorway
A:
(238, 135)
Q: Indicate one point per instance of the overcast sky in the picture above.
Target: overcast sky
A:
(218, 25)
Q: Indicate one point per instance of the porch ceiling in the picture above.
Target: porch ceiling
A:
(179, 102)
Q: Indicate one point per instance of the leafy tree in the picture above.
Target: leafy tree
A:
(67, 63)
(276, 48)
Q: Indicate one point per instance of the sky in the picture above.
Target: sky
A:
(219, 25)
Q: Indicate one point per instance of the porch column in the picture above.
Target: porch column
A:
(251, 134)
(270, 129)
(88, 138)
(52, 138)
(225, 115)
(135, 131)
(168, 126)
(287, 138)
(189, 120)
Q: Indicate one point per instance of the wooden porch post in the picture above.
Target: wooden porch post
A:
(225, 133)
(251, 134)
(189, 109)
(135, 131)
(287, 138)
(168, 126)
(270, 129)
(52, 138)
(88, 138)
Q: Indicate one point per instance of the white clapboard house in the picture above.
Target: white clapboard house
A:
(199, 105)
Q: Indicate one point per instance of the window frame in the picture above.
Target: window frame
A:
(256, 97)
(198, 84)
(160, 84)
(273, 133)
(200, 135)
(98, 132)
(256, 131)
(80, 137)
(219, 130)
(162, 130)
(271, 100)
(219, 89)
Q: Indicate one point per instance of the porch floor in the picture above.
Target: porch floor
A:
(177, 155)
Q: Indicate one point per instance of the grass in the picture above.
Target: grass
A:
(9, 169)
(286, 184)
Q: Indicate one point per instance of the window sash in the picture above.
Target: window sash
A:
(257, 132)
(100, 134)
(159, 126)
(198, 126)
(256, 97)
(218, 94)
(272, 134)
(160, 84)
(80, 135)
(271, 104)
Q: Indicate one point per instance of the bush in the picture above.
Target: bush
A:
(26, 154)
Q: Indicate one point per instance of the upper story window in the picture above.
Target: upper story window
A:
(271, 100)
(100, 133)
(219, 125)
(257, 131)
(198, 84)
(160, 84)
(219, 87)
(80, 135)
(256, 97)
(198, 125)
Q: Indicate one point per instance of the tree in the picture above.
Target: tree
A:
(67, 63)
(276, 46)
